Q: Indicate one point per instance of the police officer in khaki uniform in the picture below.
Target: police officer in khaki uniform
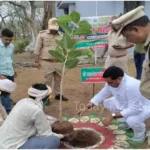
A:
(52, 69)
(135, 26)
(117, 47)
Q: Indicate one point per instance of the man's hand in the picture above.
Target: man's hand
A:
(81, 111)
(107, 121)
(88, 106)
(37, 65)
(2, 77)
(67, 137)
(118, 47)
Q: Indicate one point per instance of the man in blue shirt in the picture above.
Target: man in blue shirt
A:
(6, 63)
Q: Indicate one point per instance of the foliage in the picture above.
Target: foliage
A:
(66, 52)
(20, 45)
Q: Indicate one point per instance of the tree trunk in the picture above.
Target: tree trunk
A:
(33, 15)
(49, 12)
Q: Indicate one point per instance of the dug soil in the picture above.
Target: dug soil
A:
(62, 127)
(84, 138)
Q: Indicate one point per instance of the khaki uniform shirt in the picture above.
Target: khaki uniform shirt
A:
(114, 39)
(45, 42)
(139, 48)
(145, 81)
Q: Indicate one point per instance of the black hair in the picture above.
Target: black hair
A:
(143, 21)
(39, 86)
(4, 93)
(113, 72)
(7, 33)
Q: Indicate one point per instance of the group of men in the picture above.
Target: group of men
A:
(130, 102)
(117, 48)
(26, 126)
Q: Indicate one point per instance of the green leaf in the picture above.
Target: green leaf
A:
(84, 24)
(85, 52)
(59, 50)
(75, 16)
(65, 27)
(82, 31)
(67, 41)
(89, 54)
(65, 19)
(71, 63)
(57, 55)
(59, 42)
(74, 54)
(84, 28)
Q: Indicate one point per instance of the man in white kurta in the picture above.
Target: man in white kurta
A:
(126, 102)
(26, 127)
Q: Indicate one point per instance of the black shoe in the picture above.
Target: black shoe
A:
(57, 97)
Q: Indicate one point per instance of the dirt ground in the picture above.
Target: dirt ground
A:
(78, 93)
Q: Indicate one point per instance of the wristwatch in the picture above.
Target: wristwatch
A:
(114, 115)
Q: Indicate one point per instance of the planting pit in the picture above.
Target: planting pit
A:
(85, 138)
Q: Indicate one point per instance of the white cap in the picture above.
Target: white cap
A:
(7, 85)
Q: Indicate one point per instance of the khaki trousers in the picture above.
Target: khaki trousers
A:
(52, 75)
(121, 62)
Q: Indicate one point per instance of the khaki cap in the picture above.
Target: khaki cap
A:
(52, 24)
(129, 17)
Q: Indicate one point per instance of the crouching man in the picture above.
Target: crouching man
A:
(6, 87)
(26, 127)
(126, 104)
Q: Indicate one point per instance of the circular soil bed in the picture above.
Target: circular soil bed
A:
(85, 138)
(62, 127)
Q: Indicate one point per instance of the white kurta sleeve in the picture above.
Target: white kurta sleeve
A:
(101, 96)
(42, 125)
(134, 102)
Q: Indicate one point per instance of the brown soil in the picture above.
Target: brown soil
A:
(84, 138)
(62, 127)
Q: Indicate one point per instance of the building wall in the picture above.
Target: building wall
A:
(72, 7)
(104, 8)
(88, 8)
(147, 8)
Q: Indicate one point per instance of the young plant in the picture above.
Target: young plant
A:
(66, 52)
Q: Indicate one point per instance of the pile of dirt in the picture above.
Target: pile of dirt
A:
(62, 127)
(84, 138)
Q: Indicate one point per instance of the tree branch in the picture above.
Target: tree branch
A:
(23, 8)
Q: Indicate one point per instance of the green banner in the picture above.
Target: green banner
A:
(90, 43)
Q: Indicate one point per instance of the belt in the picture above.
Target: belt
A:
(119, 56)
(50, 60)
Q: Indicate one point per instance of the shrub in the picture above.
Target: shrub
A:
(20, 45)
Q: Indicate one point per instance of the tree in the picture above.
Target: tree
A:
(29, 18)
(66, 52)
(49, 12)
(130, 5)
